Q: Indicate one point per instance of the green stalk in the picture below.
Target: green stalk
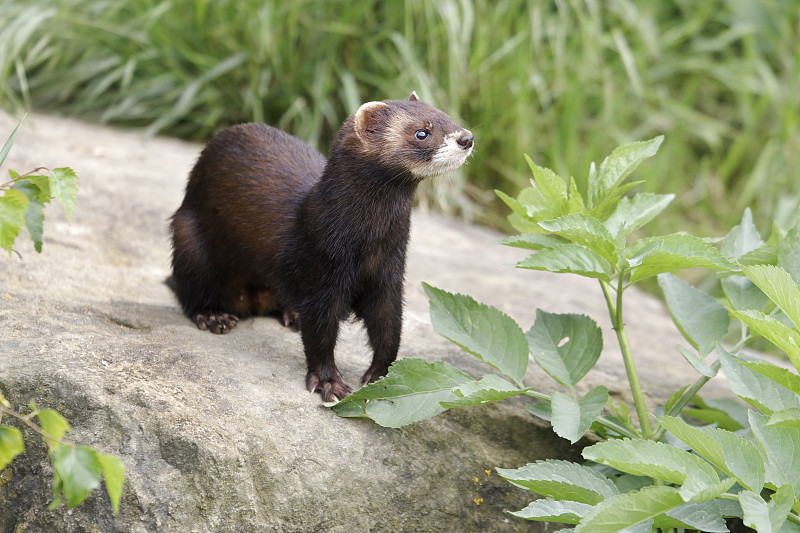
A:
(615, 312)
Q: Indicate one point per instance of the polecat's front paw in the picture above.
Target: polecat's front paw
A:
(332, 389)
(215, 322)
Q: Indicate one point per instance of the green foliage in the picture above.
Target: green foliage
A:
(24, 197)
(76, 469)
(571, 79)
(737, 462)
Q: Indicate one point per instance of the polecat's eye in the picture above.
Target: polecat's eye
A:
(421, 135)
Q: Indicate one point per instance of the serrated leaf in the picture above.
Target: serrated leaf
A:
(658, 460)
(766, 255)
(757, 390)
(13, 204)
(569, 258)
(490, 388)
(551, 188)
(561, 480)
(548, 509)
(784, 337)
(781, 447)
(702, 516)
(531, 241)
(633, 213)
(781, 376)
(575, 202)
(700, 318)
(34, 214)
(78, 469)
(11, 445)
(64, 186)
(743, 294)
(629, 509)
(617, 166)
(53, 424)
(723, 412)
(114, 475)
(789, 253)
(727, 451)
(10, 141)
(696, 362)
(742, 239)
(410, 392)
(572, 419)
(766, 517)
(485, 332)
(675, 252)
(779, 286)
(788, 418)
(566, 346)
(605, 208)
(585, 230)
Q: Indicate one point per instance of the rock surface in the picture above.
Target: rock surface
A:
(217, 432)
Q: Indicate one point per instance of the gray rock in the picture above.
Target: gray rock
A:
(217, 432)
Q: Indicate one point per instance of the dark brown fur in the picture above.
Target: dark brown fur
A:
(267, 225)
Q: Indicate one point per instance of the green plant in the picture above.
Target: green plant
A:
(743, 462)
(25, 195)
(76, 469)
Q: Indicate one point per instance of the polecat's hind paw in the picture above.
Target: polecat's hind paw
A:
(332, 390)
(215, 322)
(374, 373)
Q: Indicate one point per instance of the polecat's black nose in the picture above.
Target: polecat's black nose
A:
(465, 141)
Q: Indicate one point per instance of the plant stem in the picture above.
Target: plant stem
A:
(687, 395)
(615, 312)
(26, 419)
(21, 177)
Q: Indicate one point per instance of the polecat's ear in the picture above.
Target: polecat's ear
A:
(414, 97)
(368, 118)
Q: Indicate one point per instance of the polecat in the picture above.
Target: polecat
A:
(267, 225)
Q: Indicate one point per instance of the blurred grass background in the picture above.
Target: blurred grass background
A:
(564, 81)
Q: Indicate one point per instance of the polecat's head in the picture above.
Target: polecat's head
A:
(409, 134)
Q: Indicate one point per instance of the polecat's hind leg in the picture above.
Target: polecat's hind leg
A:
(194, 280)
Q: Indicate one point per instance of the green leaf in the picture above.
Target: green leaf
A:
(78, 470)
(766, 517)
(114, 475)
(64, 186)
(788, 418)
(675, 252)
(572, 419)
(490, 388)
(53, 424)
(410, 392)
(754, 388)
(700, 318)
(726, 413)
(789, 253)
(727, 451)
(696, 362)
(485, 332)
(784, 337)
(742, 239)
(575, 203)
(550, 510)
(779, 286)
(743, 294)
(566, 346)
(551, 201)
(585, 230)
(531, 241)
(703, 516)
(781, 447)
(34, 214)
(633, 213)
(658, 460)
(628, 509)
(11, 445)
(617, 166)
(569, 258)
(10, 142)
(12, 216)
(779, 375)
(562, 480)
